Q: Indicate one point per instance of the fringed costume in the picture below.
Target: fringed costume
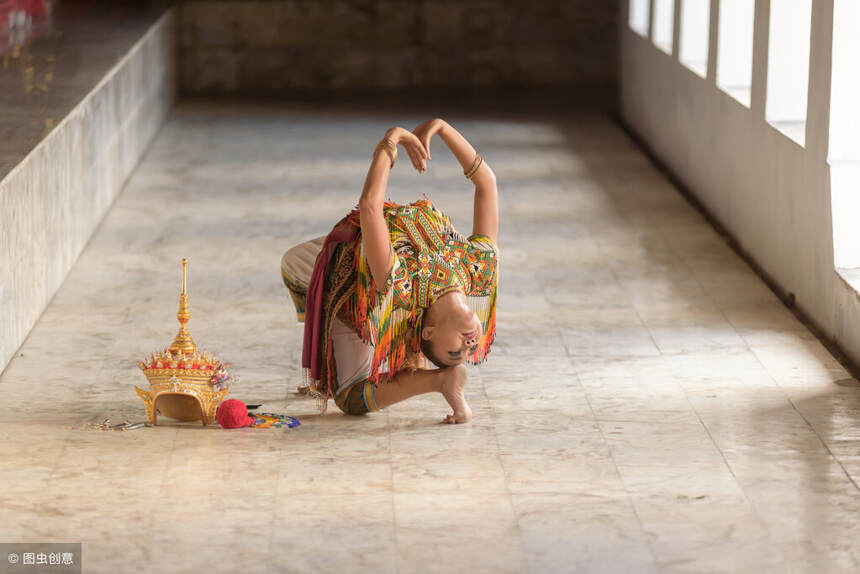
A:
(429, 259)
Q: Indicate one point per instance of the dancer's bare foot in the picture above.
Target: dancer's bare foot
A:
(303, 389)
(453, 390)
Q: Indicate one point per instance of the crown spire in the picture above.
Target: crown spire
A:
(183, 343)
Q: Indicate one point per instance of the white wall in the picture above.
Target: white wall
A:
(769, 192)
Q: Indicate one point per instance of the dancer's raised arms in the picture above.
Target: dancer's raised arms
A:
(486, 210)
(374, 230)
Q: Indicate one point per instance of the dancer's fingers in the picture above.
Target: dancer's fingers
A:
(425, 156)
(415, 154)
(417, 143)
(408, 151)
(412, 157)
(424, 139)
(422, 159)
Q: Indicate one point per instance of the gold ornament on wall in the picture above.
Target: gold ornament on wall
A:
(185, 383)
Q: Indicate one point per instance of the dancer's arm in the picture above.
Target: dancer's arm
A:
(486, 210)
(374, 230)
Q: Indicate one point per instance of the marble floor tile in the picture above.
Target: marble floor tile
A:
(427, 542)
(754, 556)
(331, 533)
(839, 557)
(453, 470)
(707, 366)
(609, 342)
(638, 400)
(672, 443)
(644, 368)
(590, 532)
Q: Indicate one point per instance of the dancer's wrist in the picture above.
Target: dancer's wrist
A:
(399, 136)
(444, 127)
(388, 147)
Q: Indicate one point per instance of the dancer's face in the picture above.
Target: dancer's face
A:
(454, 337)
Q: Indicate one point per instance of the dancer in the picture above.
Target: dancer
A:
(392, 283)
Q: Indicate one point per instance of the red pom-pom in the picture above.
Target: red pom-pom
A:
(232, 414)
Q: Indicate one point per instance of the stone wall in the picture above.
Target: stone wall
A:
(55, 198)
(276, 46)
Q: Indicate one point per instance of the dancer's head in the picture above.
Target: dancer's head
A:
(450, 331)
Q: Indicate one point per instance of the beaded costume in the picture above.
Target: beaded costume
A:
(429, 259)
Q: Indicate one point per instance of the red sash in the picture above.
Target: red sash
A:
(311, 346)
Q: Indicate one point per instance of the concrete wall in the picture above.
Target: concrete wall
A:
(769, 192)
(52, 202)
(275, 46)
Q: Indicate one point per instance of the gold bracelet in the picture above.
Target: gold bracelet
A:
(389, 146)
(475, 165)
(466, 171)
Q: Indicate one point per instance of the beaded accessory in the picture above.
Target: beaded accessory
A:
(272, 420)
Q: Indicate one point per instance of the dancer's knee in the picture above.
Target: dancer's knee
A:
(358, 399)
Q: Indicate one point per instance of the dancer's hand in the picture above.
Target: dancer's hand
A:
(411, 144)
(426, 130)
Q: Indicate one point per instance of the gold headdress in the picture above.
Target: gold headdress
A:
(184, 383)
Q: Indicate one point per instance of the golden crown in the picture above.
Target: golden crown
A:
(184, 383)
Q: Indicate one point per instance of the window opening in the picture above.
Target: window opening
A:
(788, 66)
(843, 154)
(735, 48)
(638, 16)
(693, 41)
(664, 19)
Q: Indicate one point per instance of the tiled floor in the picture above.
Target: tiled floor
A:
(649, 406)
